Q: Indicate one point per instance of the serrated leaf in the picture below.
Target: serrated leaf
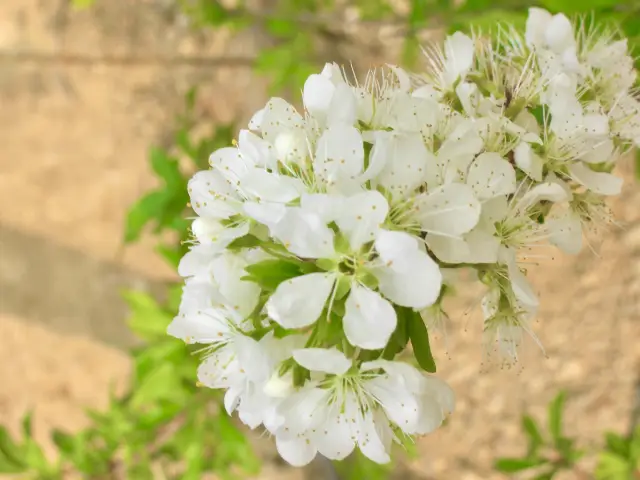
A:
(511, 465)
(419, 339)
(556, 408)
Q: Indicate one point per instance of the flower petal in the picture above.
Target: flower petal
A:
(206, 326)
(451, 209)
(212, 196)
(227, 271)
(268, 214)
(537, 23)
(369, 319)
(322, 360)
(317, 93)
(296, 451)
(396, 248)
(565, 231)
(343, 108)
(271, 187)
(279, 116)
(490, 176)
(417, 287)
(406, 161)
(304, 233)
(599, 182)
(528, 161)
(398, 403)
(327, 206)
(298, 302)
(521, 287)
(459, 51)
(255, 150)
(334, 439)
(361, 216)
(339, 153)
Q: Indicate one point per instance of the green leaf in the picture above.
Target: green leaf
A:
(143, 211)
(532, 430)
(400, 336)
(510, 465)
(569, 7)
(148, 319)
(161, 384)
(637, 162)
(247, 241)
(27, 425)
(617, 444)
(555, 417)
(11, 457)
(166, 167)
(66, 443)
(271, 273)
(612, 467)
(419, 339)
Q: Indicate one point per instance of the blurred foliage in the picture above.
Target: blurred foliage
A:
(550, 451)
(163, 426)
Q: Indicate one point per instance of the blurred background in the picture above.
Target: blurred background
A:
(106, 108)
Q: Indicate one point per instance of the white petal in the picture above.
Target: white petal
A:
(256, 120)
(364, 429)
(229, 162)
(448, 210)
(361, 217)
(442, 391)
(411, 377)
(417, 287)
(559, 33)
(458, 50)
(305, 234)
(448, 249)
(303, 410)
(297, 451)
(253, 358)
(340, 152)
(279, 116)
(242, 296)
(537, 23)
(197, 261)
(431, 415)
(490, 176)
(369, 319)
(396, 248)
(298, 302)
(212, 233)
(317, 93)
(343, 108)
(601, 152)
(211, 195)
(327, 207)
(271, 187)
(405, 166)
(599, 182)
(565, 231)
(334, 439)
(266, 213)
(521, 286)
(231, 400)
(255, 150)
(322, 360)
(552, 192)
(595, 124)
(206, 326)
(527, 120)
(528, 161)
(398, 403)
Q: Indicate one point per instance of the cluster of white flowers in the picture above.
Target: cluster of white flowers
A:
(325, 237)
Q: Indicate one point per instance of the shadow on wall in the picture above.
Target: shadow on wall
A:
(65, 289)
